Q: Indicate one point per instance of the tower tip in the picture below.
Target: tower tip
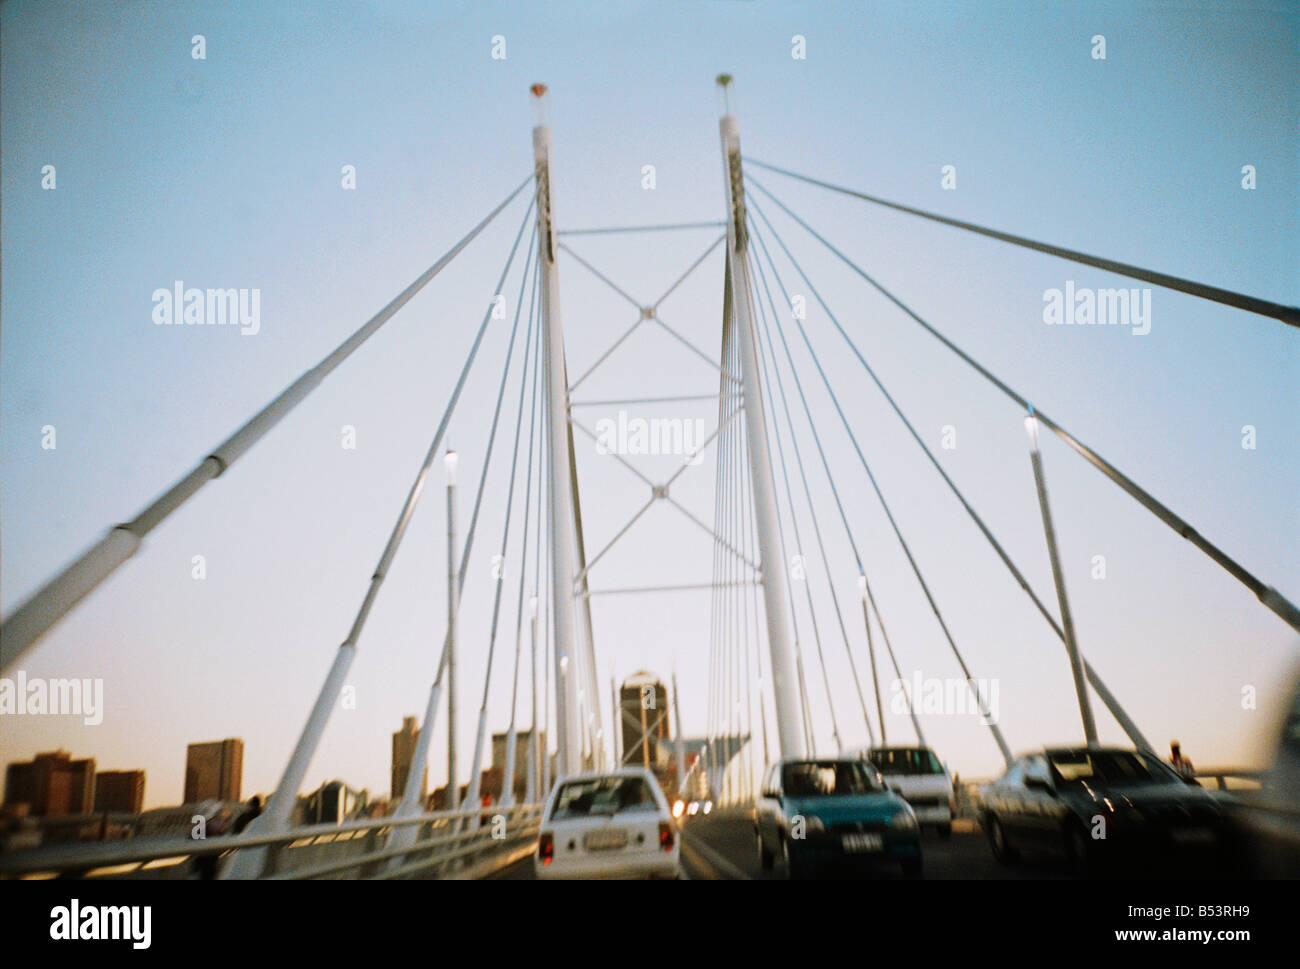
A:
(724, 85)
(539, 93)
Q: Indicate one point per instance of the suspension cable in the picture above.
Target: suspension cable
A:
(1289, 315)
(508, 782)
(870, 597)
(1129, 727)
(798, 545)
(31, 620)
(979, 698)
(1266, 594)
(475, 776)
(281, 802)
(812, 511)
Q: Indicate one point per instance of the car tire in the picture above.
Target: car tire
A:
(766, 860)
(1080, 850)
(794, 870)
(1002, 848)
(912, 868)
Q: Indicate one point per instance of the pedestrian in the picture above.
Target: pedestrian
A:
(1179, 762)
(253, 810)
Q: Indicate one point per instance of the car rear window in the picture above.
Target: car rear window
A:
(827, 778)
(1108, 767)
(912, 760)
(603, 796)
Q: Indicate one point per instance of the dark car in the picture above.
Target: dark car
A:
(833, 814)
(1269, 818)
(1099, 805)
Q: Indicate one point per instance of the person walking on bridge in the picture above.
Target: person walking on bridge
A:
(1179, 762)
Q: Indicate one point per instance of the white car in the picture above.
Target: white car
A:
(917, 774)
(608, 825)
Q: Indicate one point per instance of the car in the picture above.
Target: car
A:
(615, 824)
(1099, 805)
(1269, 819)
(827, 814)
(922, 780)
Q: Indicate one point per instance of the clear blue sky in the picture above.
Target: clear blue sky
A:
(226, 173)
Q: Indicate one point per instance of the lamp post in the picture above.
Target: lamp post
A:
(451, 460)
(532, 679)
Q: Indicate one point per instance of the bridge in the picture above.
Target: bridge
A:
(770, 640)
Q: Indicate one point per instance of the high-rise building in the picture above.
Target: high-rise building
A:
(522, 739)
(333, 803)
(52, 784)
(214, 770)
(643, 714)
(403, 753)
(119, 791)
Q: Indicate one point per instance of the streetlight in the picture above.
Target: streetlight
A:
(533, 755)
(1031, 428)
(450, 461)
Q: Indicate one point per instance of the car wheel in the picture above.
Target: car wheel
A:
(1080, 850)
(766, 860)
(912, 868)
(794, 869)
(1002, 849)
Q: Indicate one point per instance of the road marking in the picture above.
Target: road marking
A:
(711, 858)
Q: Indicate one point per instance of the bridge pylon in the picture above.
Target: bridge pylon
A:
(785, 678)
(564, 538)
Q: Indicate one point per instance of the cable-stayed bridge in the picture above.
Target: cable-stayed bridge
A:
(769, 638)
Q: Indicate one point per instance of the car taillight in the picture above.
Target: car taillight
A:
(665, 836)
(546, 848)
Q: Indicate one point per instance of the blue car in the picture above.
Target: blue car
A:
(833, 815)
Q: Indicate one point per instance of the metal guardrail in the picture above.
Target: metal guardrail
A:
(445, 845)
(1221, 775)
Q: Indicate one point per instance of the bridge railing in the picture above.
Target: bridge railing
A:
(456, 844)
(1244, 778)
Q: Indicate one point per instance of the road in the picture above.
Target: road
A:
(722, 848)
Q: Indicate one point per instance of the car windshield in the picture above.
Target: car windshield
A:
(603, 796)
(1108, 767)
(827, 778)
(906, 760)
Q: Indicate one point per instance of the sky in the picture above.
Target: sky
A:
(227, 172)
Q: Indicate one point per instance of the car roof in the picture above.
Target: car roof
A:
(838, 758)
(612, 772)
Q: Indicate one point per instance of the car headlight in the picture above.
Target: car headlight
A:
(904, 820)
